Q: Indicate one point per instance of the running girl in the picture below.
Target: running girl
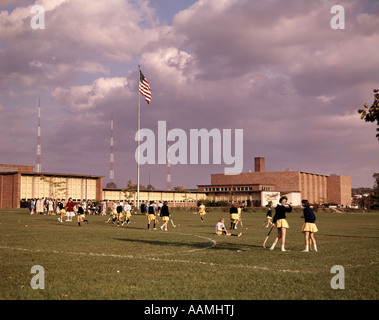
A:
(202, 212)
(269, 216)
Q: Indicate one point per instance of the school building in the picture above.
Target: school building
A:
(20, 183)
(174, 198)
(261, 186)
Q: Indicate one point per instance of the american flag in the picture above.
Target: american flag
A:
(144, 87)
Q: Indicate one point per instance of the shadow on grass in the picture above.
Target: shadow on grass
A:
(196, 245)
(348, 236)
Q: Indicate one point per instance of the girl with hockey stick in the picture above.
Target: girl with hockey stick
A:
(280, 222)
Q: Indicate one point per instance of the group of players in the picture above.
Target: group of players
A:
(279, 221)
(72, 209)
(121, 214)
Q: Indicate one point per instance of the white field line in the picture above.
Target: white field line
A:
(120, 256)
(150, 258)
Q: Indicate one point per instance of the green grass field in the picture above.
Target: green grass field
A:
(189, 262)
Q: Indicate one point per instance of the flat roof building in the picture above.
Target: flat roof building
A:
(19, 183)
(316, 188)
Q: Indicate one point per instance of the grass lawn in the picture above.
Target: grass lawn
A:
(189, 262)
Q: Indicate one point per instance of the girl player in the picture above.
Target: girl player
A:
(202, 212)
(309, 227)
(127, 213)
(233, 217)
(221, 230)
(165, 214)
(81, 215)
(269, 216)
(114, 212)
(280, 222)
(62, 210)
(151, 216)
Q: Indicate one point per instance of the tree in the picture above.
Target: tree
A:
(374, 197)
(57, 189)
(111, 185)
(187, 194)
(130, 190)
(150, 187)
(371, 114)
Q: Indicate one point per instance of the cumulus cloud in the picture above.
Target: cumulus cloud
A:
(87, 97)
(276, 70)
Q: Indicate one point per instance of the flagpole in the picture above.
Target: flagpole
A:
(139, 135)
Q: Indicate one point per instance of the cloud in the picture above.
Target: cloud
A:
(87, 97)
(77, 38)
(276, 70)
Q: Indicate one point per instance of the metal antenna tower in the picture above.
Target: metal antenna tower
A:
(38, 155)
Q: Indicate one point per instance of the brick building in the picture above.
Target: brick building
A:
(174, 198)
(297, 185)
(21, 183)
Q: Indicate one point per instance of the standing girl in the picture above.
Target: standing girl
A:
(280, 222)
(50, 205)
(151, 216)
(39, 206)
(70, 209)
(32, 206)
(165, 214)
(309, 227)
(62, 210)
(233, 211)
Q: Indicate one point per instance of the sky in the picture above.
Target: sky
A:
(275, 69)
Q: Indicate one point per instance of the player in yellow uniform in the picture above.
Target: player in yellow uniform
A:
(113, 213)
(151, 216)
(233, 217)
(62, 210)
(221, 230)
(81, 216)
(165, 215)
(202, 212)
(127, 213)
(120, 214)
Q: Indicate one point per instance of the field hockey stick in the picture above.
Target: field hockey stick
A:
(172, 221)
(264, 243)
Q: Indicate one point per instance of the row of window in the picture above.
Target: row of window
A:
(169, 201)
(75, 200)
(235, 189)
